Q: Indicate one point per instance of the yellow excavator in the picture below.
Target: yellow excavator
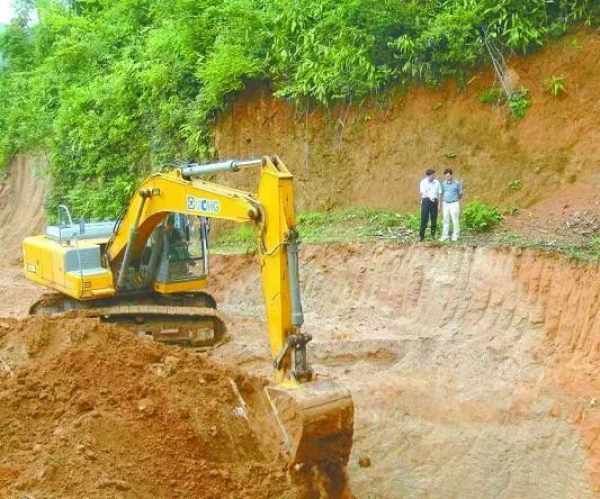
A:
(147, 271)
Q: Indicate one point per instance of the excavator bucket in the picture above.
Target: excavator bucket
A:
(316, 421)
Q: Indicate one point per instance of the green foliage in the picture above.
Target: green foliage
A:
(556, 85)
(362, 224)
(480, 217)
(241, 238)
(113, 89)
(493, 95)
(344, 225)
(413, 221)
(348, 224)
(588, 251)
(518, 103)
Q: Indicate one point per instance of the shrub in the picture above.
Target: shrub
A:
(556, 86)
(493, 95)
(519, 102)
(481, 217)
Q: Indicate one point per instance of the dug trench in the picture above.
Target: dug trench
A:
(474, 371)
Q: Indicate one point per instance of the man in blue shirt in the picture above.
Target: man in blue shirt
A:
(452, 193)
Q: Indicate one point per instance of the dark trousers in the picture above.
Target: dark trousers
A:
(429, 210)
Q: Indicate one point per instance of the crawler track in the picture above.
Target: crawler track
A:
(189, 319)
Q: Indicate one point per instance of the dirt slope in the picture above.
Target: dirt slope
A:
(22, 194)
(21, 206)
(375, 153)
(571, 214)
(474, 371)
(88, 410)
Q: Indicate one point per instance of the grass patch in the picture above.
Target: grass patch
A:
(556, 85)
(347, 225)
(354, 224)
(587, 252)
(493, 95)
(368, 224)
(241, 239)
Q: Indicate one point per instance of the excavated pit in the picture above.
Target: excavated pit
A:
(474, 371)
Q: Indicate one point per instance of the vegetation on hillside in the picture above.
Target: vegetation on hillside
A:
(111, 88)
(480, 226)
(361, 224)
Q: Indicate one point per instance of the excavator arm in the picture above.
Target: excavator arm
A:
(314, 414)
(272, 211)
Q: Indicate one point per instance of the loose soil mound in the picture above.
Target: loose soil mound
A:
(475, 372)
(90, 410)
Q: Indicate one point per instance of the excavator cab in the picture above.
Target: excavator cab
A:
(175, 258)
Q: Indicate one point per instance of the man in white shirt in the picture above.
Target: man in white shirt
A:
(430, 194)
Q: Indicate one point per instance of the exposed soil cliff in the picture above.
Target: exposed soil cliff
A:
(21, 206)
(375, 153)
